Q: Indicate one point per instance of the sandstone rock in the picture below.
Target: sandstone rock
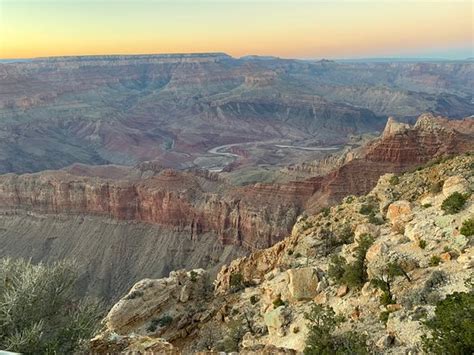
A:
(276, 320)
(445, 256)
(455, 184)
(399, 213)
(111, 343)
(376, 251)
(342, 291)
(303, 283)
(385, 342)
(366, 228)
(393, 307)
(321, 298)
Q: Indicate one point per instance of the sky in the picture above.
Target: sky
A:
(286, 28)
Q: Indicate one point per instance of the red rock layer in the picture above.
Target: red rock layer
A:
(254, 216)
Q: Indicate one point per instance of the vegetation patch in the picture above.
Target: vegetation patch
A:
(467, 228)
(454, 203)
(452, 327)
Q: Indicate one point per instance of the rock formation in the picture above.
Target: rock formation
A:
(268, 292)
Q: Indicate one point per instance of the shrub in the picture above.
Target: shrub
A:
(349, 199)
(426, 205)
(193, 275)
(298, 255)
(434, 260)
(436, 187)
(278, 302)
(236, 282)
(422, 243)
(355, 274)
(159, 322)
(336, 268)
(346, 236)
(325, 211)
(394, 180)
(321, 340)
(452, 327)
(453, 203)
(235, 332)
(366, 209)
(383, 317)
(373, 219)
(254, 299)
(290, 252)
(39, 310)
(467, 228)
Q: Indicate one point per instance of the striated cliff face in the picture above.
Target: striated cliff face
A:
(400, 148)
(255, 216)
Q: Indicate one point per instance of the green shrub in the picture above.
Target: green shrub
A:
(236, 282)
(355, 274)
(434, 260)
(366, 209)
(436, 187)
(349, 199)
(422, 243)
(193, 275)
(383, 317)
(452, 327)
(467, 228)
(39, 310)
(159, 322)
(325, 211)
(298, 255)
(278, 302)
(394, 180)
(254, 299)
(426, 205)
(453, 203)
(322, 322)
(336, 268)
(346, 235)
(290, 252)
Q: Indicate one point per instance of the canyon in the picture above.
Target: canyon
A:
(195, 218)
(172, 109)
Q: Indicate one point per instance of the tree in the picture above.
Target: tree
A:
(39, 312)
(355, 274)
(321, 339)
(452, 327)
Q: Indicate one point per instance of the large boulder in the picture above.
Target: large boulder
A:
(303, 283)
(277, 320)
(399, 213)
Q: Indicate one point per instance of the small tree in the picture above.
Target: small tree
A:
(355, 274)
(39, 310)
(321, 339)
(452, 327)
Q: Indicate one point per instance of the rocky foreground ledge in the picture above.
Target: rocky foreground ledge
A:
(258, 303)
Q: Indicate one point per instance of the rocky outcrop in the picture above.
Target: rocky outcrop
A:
(268, 293)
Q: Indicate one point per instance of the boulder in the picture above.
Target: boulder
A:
(399, 213)
(277, 320)
(342, 291)
(303, 283)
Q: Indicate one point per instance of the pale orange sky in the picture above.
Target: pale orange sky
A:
(303, 29)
